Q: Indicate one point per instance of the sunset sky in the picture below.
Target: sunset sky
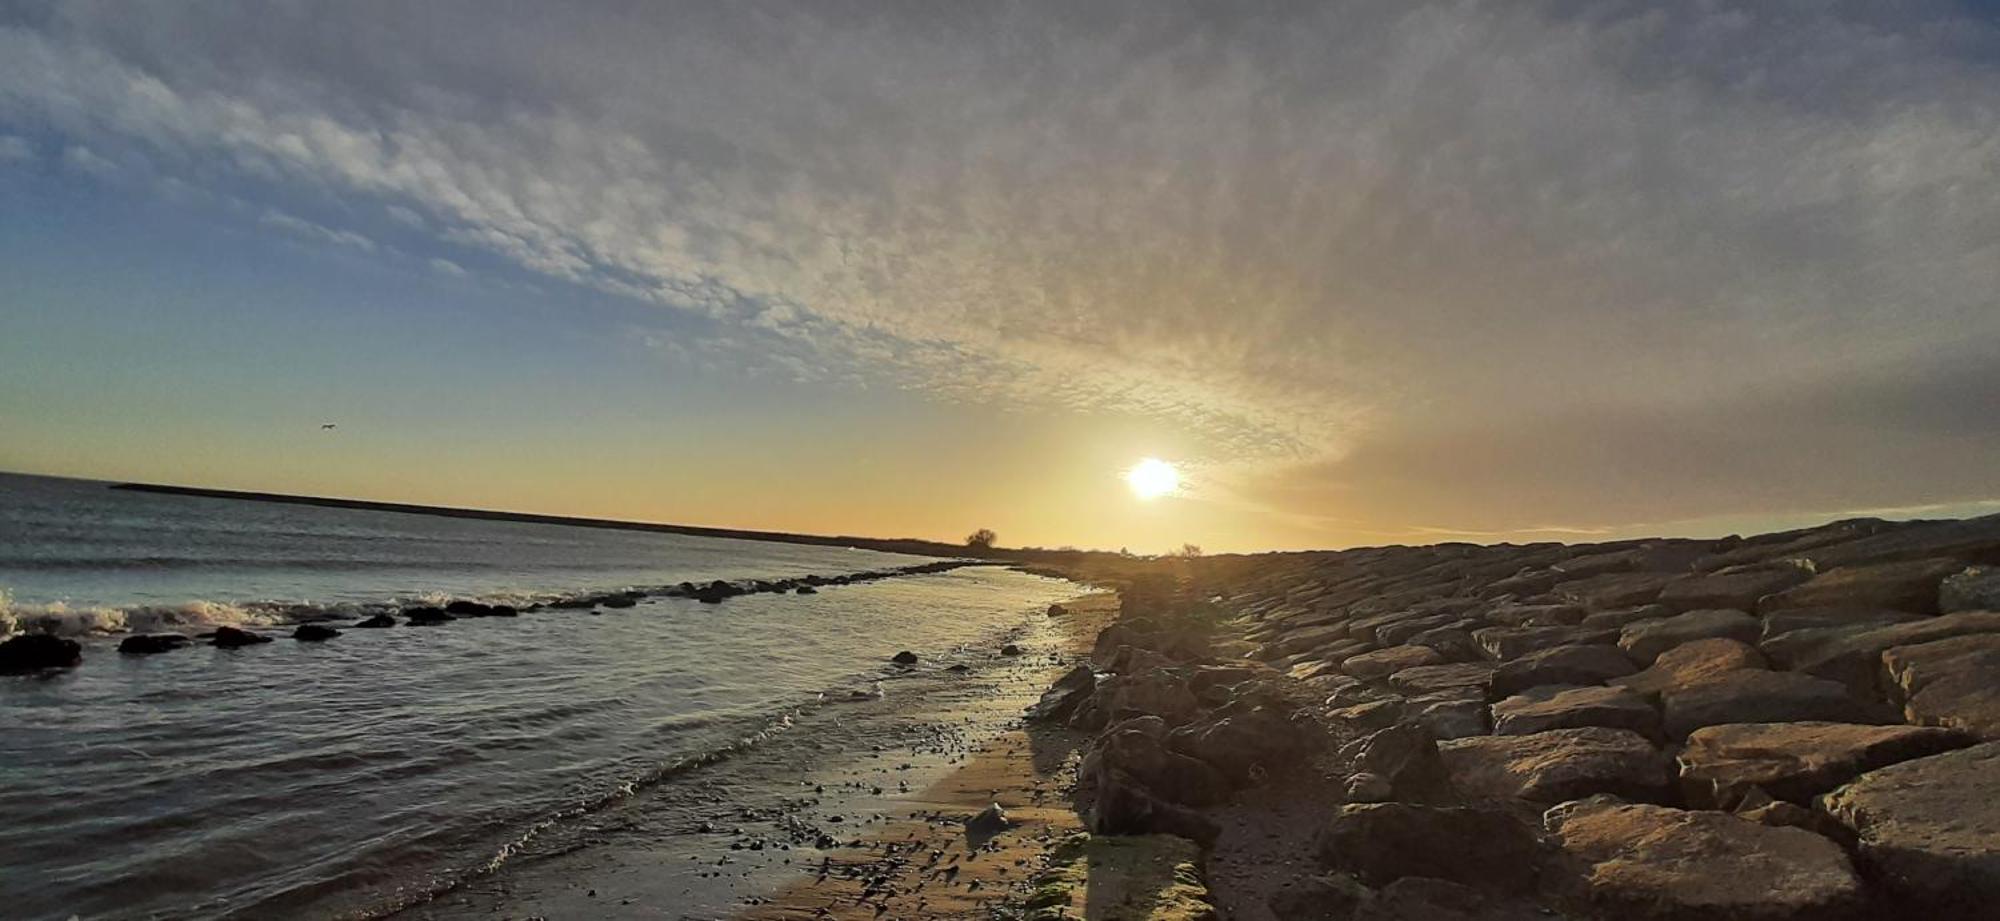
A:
(1365, 272)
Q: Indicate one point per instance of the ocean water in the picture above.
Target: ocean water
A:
(346, 778)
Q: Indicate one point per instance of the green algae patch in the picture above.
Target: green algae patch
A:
(1115, 878)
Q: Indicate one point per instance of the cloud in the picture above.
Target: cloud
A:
(444, 266)
(14, 149)
(301, 227)
(84, 160)
(1347, 247)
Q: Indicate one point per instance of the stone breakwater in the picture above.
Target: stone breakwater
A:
(36, 652)
(1800, 725)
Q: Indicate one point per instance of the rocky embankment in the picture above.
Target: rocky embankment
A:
(1802, 725)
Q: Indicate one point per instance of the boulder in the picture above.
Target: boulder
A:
(469, 609)
(1904, 586)
(1121, 697)
(1557, 765)
(905, 657)
(1779, 623)
(1795, 762)
(1426, 679)
(36, 651)
(1692, 663)
(314, 633)
(232, 638)
(1975, 588)
(1418, 898)
(426, 616)
(1011, 649)
(1536, 615)
(150, 643)
(1383, 662)
(1646, 639)
(1928, 830)
(1399, 632)
(1616, 618)
(1651, 863)
(1060, 701)
(1137, 751)
(1730, 589)
(1505, 644)
(1367, 788)
(1244, 745)
(1853, 655)
(1951, 682)
(1123, 806)
(376, 622)
(1384, 842)
(1407, 756)
(1373, 715)
(1569, 707)
(809, 590)
(1615, 590)
(1974, 540)
(1447, 715)
(1454, 643)
(1758, 696)
(625, 601)
(1593, 663)
(1330, 897)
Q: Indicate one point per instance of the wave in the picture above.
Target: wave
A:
(63, 619)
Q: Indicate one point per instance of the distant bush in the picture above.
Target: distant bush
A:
(982, 539)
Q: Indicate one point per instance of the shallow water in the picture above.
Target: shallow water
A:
(317, 780)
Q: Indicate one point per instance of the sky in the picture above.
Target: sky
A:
(1372, 272)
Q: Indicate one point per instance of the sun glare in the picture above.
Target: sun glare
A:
(1152, 478)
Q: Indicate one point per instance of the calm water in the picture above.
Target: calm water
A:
(335, 779)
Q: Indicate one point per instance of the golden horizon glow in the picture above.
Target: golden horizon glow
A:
(1152, 478)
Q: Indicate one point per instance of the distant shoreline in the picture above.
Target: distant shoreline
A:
(908, 546)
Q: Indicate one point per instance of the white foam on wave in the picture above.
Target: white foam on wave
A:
(61, 618)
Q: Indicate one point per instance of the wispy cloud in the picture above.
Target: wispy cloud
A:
(14, 149)
(294, 224)
(1363, 249)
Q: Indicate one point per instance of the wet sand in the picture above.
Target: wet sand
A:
(855, 810)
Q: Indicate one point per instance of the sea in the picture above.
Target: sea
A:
(359, 776)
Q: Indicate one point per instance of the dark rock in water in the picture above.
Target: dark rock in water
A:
(905, 657)
(38, 651)
(572, 604)
(1010, 650)
(469, 609)
(149, 643)
(376, 622)
(1056, 610)
(714, 592)
(1063, 697)
(805, 590)
(1385, 842)
(620, 601)
(314, 633)
(231, 638)
(427, 616)
(958, 668)
(503, 610)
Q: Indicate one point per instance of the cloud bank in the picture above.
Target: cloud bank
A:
(1476, 267)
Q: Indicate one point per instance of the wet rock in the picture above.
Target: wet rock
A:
(426, 616)
(1929, 831)
(1853, 656)
(620, 601)
(1060, 701)
(1951, 682)
(469, 609)
(231, 638)
(1056, 610)
(1557, 765)
(1730, 590)
(150, 643)
(1383, 662)
(1904, 586)
(1578, 665)
(314, 633)
(1692, 663)
(905, 657)
(1010, 649)
(1794, 762)
(1384, 842)
(1756, 696)
(376, 622)
(1569, 707)
(1975, 588)
(36, 651)
(1428, 679)
(1646, 639)
(1646, 862)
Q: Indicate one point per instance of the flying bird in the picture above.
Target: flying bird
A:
(325, 426)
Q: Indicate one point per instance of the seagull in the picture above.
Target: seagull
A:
(326, 426)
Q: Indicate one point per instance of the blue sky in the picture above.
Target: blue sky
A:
(1368, 271)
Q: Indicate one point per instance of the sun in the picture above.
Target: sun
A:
(1152, 478)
